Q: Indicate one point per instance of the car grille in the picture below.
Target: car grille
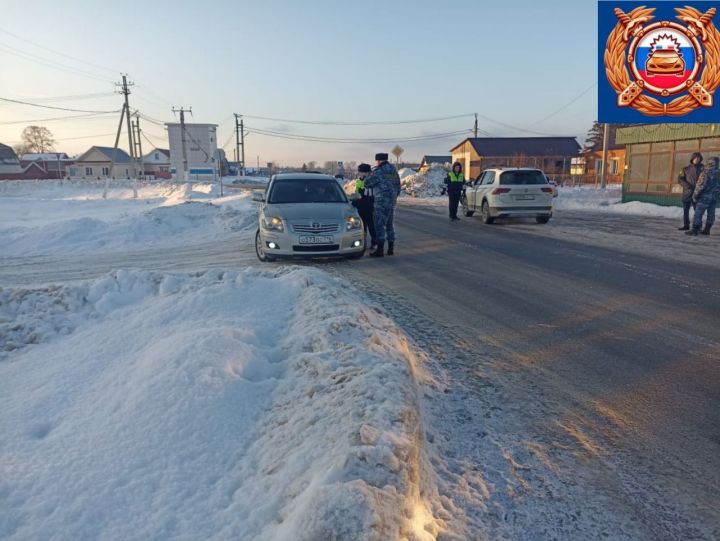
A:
(315, 229)
(317, 248)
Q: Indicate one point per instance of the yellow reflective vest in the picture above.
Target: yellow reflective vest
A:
(456, 177)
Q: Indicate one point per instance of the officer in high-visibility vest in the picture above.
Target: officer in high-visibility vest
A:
(365, 205)
(455, 181)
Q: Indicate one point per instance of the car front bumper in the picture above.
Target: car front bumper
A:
(287, 245)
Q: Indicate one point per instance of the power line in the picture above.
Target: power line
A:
(62, 139)
(568, 104)
(48, 63)
(315, 139)
(142, 134)
(153, 120)
(156, 137)
(349, 123)
(56, 108)
(510, 126)
(73, 97)
(54, 51)
(86, 116)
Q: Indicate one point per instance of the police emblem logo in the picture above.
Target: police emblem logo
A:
(663, 68)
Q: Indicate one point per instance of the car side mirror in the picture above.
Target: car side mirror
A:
(259, 196)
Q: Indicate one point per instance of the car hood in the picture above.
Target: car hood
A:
(307, 211)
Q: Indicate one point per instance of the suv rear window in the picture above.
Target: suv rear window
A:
(513, 178)
(306, 191)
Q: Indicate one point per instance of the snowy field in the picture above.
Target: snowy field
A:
(44, 217)
(224, 405)
(248, 404)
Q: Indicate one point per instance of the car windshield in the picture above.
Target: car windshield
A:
(522, 177)
(306, 191)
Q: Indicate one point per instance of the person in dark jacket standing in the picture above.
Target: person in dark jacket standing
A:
(688, 179)
(385, 182)
(705, 197)
(365, 205)
(455, 182)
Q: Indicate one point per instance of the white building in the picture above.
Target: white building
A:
(156, 163)
(200, 145)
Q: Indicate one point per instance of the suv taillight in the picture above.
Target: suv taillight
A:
(498, 191)
(547, 190)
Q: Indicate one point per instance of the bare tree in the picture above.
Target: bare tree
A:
(329, 168)
(21, 148)
(312, 166)
(38, 139)
(350, 169)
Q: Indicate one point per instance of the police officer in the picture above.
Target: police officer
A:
(455, 182)
(705, 197)
(688, 179)
(385, 183)
(365, 205)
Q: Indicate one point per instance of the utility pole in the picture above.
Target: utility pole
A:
(475, 128)
(125, 90)
(138, 149)
(183, 138)
(237, 144)
(112, 162)
(242, 144)
(136, 133)
(603, 169)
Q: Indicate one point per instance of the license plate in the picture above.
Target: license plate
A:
(524, 197)
(316, 240)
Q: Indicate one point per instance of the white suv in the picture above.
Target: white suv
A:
(509, 192)
(307, 215)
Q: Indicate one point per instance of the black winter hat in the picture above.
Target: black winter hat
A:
(364, 168)
(696, 155)
(381, 157)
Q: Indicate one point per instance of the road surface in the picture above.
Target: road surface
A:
(571, 380)
(576, 388)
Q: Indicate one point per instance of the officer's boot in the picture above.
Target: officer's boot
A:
(693, 232)
(380, 252)
(391, 248)
(706, 231)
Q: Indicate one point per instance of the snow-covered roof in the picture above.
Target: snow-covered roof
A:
(45, 156)
(7, 154)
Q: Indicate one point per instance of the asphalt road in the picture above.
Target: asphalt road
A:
(576, 388)
(571, 374)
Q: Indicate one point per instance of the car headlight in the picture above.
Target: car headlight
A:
(273, 223)
(352, 223)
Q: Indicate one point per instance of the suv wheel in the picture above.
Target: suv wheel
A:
(485, 211)
(259, 250)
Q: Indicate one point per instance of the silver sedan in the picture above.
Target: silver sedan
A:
(307, 215)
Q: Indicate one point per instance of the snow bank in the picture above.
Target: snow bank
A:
(46, 218)
(406, 172)
(223, 405)
(609, 200)
(428, 184)
(235, 181)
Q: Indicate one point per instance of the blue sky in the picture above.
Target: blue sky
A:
(513, 62)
